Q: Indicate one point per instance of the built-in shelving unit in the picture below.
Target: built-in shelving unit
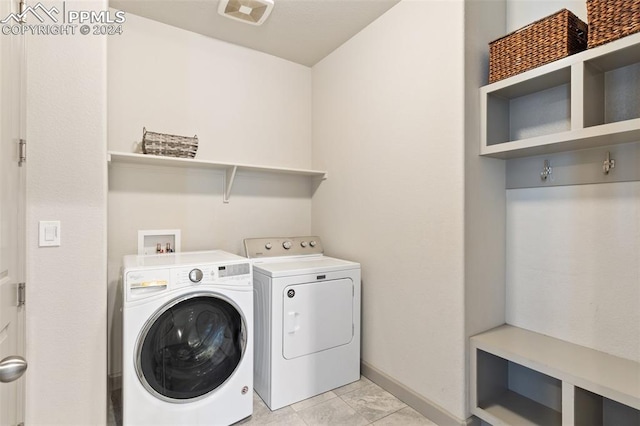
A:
(587, 100)
(230, 169)
(519, 377)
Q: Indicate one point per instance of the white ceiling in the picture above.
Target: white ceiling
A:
(302, 31)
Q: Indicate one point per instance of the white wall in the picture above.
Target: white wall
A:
(523, 12)
(573, 264)
(388, 109)
(573, 252)
(66, 181)
(245, 107)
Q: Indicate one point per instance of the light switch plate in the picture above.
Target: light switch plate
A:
(49, 235)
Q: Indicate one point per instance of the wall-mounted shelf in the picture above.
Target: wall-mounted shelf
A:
(587, 100)
(519, 377)
(231, 169)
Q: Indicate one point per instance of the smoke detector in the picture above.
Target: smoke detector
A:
(253, 12)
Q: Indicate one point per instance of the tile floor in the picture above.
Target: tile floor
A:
(359, 403)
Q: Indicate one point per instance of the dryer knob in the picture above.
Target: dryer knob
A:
(195, 275)
(286, 245)
(303, 244)
(268, 246)
(312, 243)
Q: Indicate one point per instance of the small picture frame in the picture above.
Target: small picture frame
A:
(159, 241)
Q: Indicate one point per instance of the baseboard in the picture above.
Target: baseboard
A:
(430, 410)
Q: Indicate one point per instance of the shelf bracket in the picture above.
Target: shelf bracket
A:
(229, 177)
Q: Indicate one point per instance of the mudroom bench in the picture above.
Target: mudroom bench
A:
(519, 377)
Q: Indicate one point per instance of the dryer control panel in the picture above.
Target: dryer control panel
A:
(282, 246)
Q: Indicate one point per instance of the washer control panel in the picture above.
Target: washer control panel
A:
(282, 246)
(238, 269)
(234, 273)
(141, 284)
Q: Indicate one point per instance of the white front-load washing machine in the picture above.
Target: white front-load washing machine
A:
(187, 339)
(307, 319)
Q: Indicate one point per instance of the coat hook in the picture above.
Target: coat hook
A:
(546, 171)
(608, 164)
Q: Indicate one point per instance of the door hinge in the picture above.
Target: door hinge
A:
(22, 152)
(22, 6)
(22, 296)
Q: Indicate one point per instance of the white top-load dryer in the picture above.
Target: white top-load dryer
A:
(307, 319)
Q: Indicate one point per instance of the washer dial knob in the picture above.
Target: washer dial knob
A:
(268, 246)
(195, 275)
(312, 243)
(286, 245)
(303, 244)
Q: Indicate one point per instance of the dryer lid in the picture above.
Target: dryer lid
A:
(303, 266)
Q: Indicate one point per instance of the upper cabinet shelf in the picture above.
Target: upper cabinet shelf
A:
(590, 99)
(230, 168)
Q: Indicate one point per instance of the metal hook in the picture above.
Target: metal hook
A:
(608, 164)
(546, 170)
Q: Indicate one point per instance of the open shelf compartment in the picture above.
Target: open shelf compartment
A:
(596, 410)
(540, 106)
(612, 87)
(513, 394)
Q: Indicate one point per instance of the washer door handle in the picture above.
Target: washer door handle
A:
(292, 322)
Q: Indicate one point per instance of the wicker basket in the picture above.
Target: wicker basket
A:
(612, 19)
(169, 145)
(549, 39)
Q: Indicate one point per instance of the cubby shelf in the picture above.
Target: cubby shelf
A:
(519, 377)
(515, 409)
(230, 169)
(587, 100)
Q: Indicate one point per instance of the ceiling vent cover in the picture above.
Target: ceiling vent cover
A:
(253, 12)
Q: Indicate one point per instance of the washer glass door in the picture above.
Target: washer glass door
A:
(190, 347)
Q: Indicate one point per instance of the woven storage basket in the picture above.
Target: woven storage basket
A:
(549, 39)
(169, 145)
(612, 19)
